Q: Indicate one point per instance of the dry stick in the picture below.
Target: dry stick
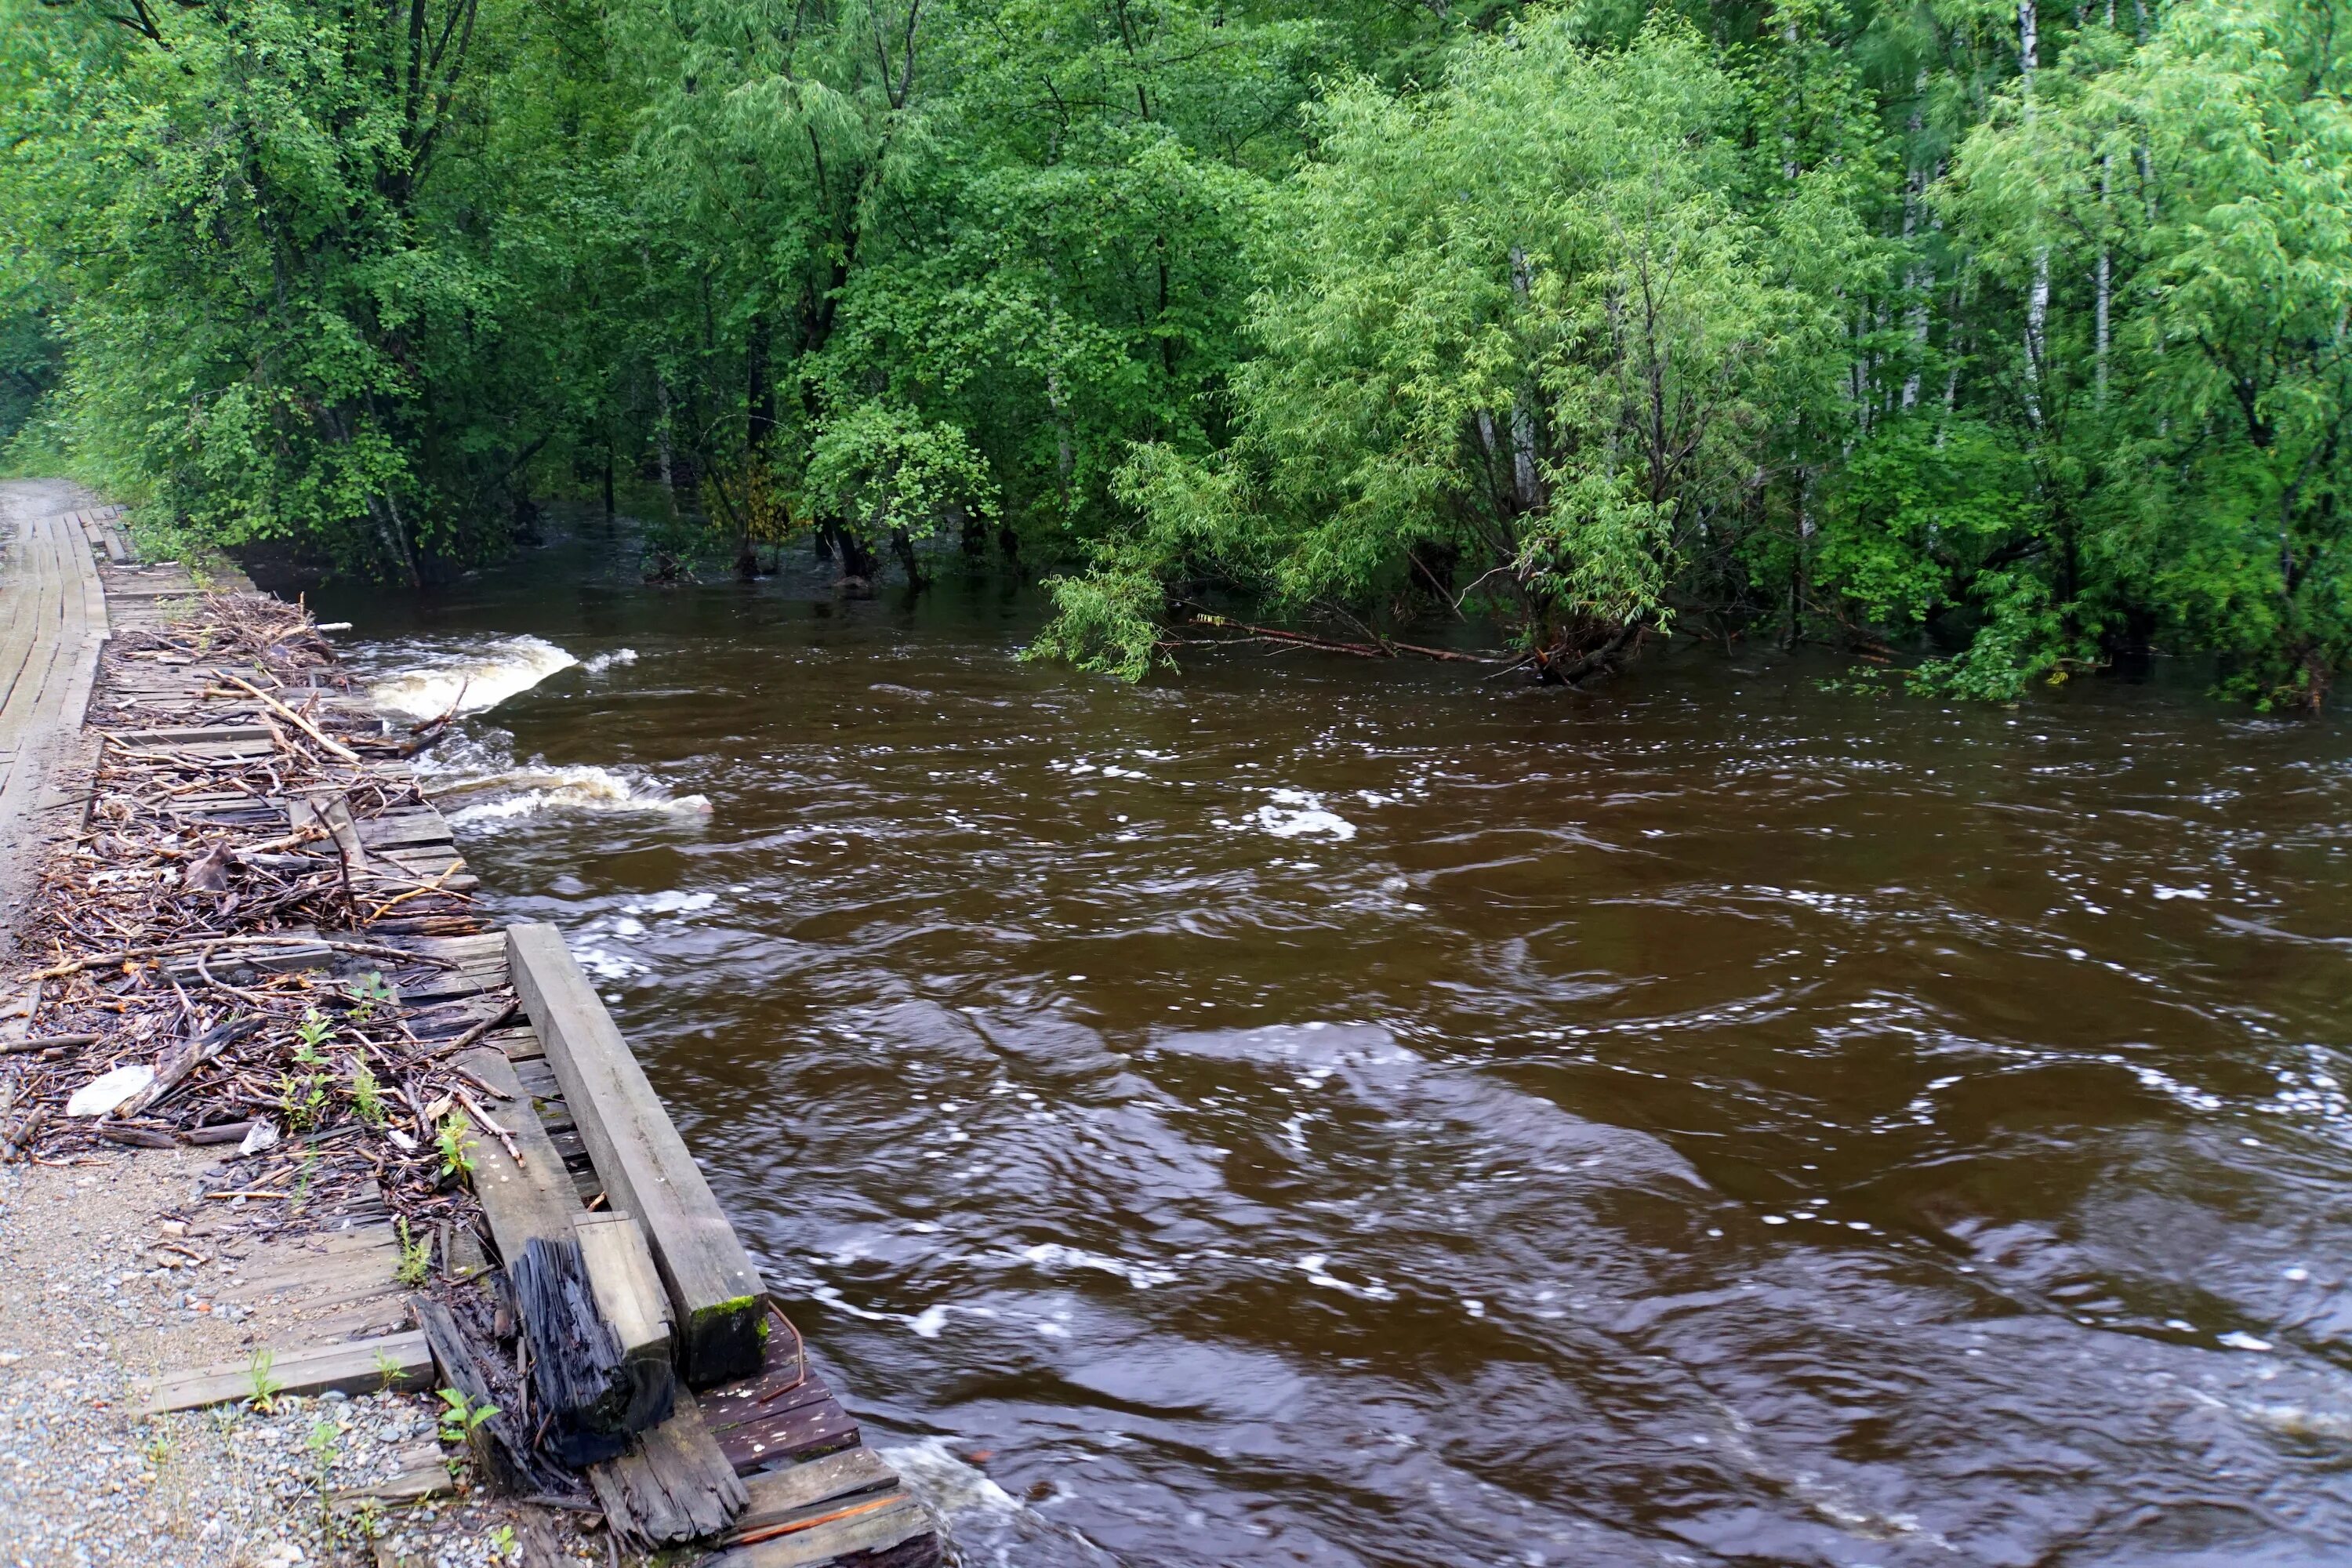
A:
(466, 1099)
(333, 745)
(478, 1030)
(250, 1000)
(418, 892)
(165, 948)
(42, 1043)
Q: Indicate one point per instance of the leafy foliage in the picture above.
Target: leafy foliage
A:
(2017, 338)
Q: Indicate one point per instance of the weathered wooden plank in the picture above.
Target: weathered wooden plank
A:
(332, 813)
(781, 1495)
(521, 1044)
(192, 735)
(672, 1484)
(876, 1526)
(354, 1366)
(422, 1473)
(799, 1431)
(715, 1292)
(534, 1198)
(629, 1299)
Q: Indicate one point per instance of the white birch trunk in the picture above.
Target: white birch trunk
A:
(2037, 299)
(1525, 483)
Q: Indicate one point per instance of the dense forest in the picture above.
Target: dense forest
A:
(2009, 340)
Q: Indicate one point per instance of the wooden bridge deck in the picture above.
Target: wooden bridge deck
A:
(334, 1313)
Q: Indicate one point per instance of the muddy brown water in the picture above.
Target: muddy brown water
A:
(1304, 1112)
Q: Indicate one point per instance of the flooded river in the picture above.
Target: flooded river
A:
(1308, 1111)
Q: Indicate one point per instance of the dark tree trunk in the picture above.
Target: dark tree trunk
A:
(904, 549)
(760, 391)
(858, 563)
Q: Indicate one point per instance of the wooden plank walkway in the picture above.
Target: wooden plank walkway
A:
(810, 1493)
(53, 622)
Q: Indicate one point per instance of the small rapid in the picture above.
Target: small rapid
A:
(1309, 1111)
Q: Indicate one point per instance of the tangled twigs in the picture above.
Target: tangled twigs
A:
(333, 746)
(192, 925)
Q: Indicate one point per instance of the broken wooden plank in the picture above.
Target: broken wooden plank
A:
(581, 1389)
(715, 1292)
(355, 1366)
(673, 1485)
(629, 1297)
(502, 1442)
(895, 1524)
(535, 1200)
(782, 1496)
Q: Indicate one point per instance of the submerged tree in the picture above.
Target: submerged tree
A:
(1518, 327)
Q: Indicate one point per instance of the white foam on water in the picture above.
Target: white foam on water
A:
(602, 662)
(526, 790)
(1296, 812)
(2238, 1341)
(471, 682)
(671, 902)
(1053, 1255)
(946, 1485)
(2165, 895)
(604, 963)
(1312, 1266)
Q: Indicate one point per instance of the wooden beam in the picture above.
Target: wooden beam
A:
(715, 1292)
(536, 1201)
(354, 1366)
(520, 1201)
(627, 1288)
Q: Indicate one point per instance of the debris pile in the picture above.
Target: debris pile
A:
(225, 961)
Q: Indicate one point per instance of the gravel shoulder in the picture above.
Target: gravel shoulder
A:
(86, 1310)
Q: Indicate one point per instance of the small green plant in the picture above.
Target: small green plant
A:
(461, 1416)
(303, 1099)
(307, 1166)
(415, 1260)
(158, 1449)
(366, 1522)
(265, 1386)
(322, 1446)
(369, 993)
(456, 1153)
(313, 1033)
(367, 1095)
(322, 1443)
(502, 1540)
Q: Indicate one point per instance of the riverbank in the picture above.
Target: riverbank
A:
(124, 1271)
(260, 959)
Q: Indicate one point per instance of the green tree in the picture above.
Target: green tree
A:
(1518, 328)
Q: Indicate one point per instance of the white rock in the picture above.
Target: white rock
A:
(107, 1090)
